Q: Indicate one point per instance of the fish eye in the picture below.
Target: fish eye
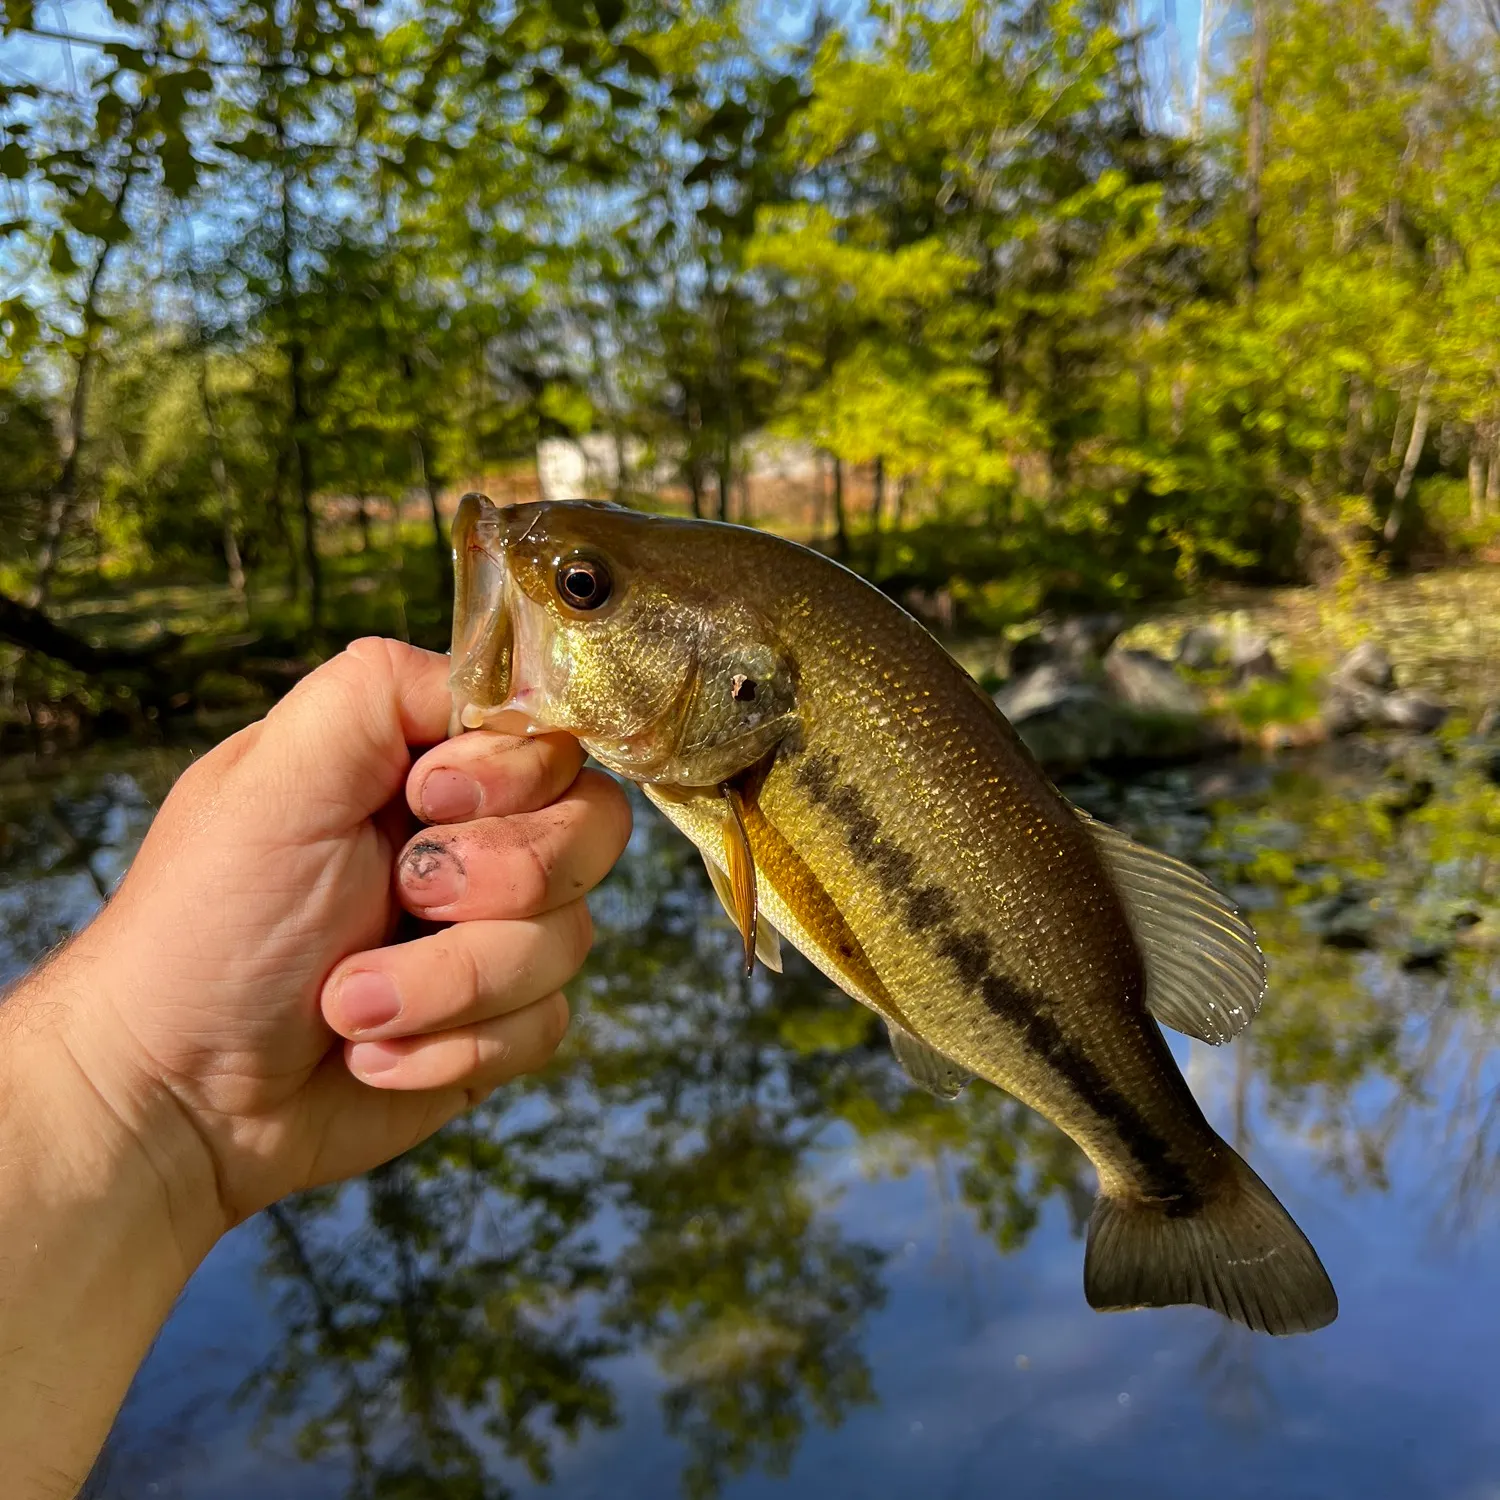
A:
(583, 582)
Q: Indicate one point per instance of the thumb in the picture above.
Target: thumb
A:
(339, 742)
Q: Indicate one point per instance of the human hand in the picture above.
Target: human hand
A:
(206, 1004)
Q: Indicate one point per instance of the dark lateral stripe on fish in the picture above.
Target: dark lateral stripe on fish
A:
(930, 909)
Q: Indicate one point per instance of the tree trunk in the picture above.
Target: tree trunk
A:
(439, 537)
(362, 519)
(302, 478)
(1476, 485)
(1255, 154)
(695, 488)
(726, 478)
(64, 497)
(1200, 76)
(877, 495)
(1397, 516)
(1492, 478)
(228, 509)
(840, 528)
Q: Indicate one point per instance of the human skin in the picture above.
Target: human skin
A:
(237, 1023)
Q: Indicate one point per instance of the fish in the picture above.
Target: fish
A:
(854, 792)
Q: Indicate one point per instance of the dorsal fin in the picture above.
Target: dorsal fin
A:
(926, 1066)
(1205, 973)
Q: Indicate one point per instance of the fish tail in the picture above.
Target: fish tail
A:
(1238, 1252)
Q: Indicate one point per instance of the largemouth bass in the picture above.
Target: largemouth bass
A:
(853, 790)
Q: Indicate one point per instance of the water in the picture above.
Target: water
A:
(722, 1249)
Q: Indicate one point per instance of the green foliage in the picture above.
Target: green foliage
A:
(285, 267)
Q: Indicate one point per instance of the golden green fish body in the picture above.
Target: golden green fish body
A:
(904, 840)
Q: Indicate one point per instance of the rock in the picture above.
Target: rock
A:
(1367, 665)
(1201, 648)
(1412, 711)
(1250, 658)
(1348, 707)
(1043, 690)
(1075, 643)
(1144, 681)
(1068, 724)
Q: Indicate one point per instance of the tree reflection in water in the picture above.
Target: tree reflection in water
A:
(462, 1315)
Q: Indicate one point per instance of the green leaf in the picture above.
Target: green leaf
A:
(60, 255)
(14, 163)
(570, 12)
(623, 98)
(126, 12)
(17, 15)
(610, 13)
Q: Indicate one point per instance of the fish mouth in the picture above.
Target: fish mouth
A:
(488, 653)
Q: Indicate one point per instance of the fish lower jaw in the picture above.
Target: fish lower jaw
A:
(516, 707)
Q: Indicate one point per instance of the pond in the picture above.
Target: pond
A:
(722, 1248)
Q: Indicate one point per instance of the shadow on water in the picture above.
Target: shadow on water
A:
(700, 1223)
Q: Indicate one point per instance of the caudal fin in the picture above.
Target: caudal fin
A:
(1239, 1253)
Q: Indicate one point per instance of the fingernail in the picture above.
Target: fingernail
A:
(367, 999)
(449, 794)
(367, 1058)
(433, 874)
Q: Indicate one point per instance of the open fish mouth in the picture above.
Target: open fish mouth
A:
(487, 656)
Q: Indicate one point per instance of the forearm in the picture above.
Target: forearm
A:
(95, 1245)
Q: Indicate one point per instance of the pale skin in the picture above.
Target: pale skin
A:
(237, 1024)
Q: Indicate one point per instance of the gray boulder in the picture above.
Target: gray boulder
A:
(1201, 648)
(1068, 724)
(1075, 644)
(1367, 665)
(1348, 707)
(1143, 680)
(1412, 711)
(1251, 658)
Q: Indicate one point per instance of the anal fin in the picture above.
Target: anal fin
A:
(926, 1066)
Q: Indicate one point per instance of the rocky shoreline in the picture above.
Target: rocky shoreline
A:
(1078, 696)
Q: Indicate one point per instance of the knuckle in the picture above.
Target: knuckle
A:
(465, 976)
(533, 873)
(578, 932)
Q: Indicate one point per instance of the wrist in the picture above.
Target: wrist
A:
(87, 1130)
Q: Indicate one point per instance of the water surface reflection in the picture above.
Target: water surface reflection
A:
(723, 1248)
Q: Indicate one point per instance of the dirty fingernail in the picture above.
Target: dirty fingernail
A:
(369, 1058)
(449, 794)
(432, 874)
(367, 999)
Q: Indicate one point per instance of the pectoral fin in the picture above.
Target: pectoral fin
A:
(767, 939)
(743, 902)
(926, 1066)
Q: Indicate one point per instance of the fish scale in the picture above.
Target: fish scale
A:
(867, 799)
